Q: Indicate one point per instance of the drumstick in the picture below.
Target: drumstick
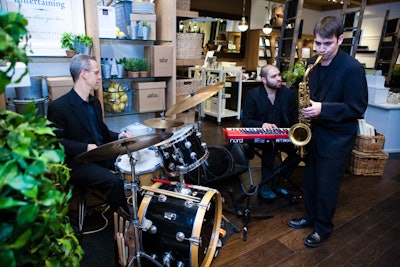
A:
(115, 225)
(198, 187)
(170, 193)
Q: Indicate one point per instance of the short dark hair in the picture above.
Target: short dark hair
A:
(78, 63)
(329, 26)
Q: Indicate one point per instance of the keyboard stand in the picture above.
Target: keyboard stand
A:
(243, 211)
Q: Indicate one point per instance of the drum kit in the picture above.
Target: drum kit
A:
(177, 224)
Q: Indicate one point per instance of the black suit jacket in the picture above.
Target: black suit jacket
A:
(344, 96)
(254, 110)
(73, 129)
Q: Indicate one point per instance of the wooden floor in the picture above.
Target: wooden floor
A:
(367, 222)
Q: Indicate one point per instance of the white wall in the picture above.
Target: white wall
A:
(372, 23)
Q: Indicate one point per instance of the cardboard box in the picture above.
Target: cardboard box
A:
(149, 96)
(160, 58)
(148, 85)
(59, 86)
(107, 22)
(150, 19)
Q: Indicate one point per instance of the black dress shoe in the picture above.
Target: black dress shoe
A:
(315, 240)
(300, 223)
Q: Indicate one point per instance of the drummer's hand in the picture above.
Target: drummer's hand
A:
(91, 147)
(124, 134)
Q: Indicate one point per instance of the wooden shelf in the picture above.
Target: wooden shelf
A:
(187, 14)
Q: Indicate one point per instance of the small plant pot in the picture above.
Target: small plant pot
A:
(146, 33)
(70, 53)
(133, 74)
(143, 74)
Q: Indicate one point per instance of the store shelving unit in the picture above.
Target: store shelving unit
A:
(211, 76)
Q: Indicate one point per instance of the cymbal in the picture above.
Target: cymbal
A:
(193, 100)
(122, 146)
(163, 123)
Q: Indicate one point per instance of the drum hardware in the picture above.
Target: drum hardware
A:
(138, 253)
(180, 236)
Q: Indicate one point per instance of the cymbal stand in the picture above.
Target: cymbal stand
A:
(135, 218)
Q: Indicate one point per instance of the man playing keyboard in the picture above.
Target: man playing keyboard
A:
(271, 106)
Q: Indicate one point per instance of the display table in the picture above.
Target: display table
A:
(386, 119)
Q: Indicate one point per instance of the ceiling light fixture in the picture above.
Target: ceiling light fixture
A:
(267, 29)
(243, 25)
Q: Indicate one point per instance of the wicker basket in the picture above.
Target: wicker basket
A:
(367, 164)
(185, 86)
(189, 45)
(188, 116)
(183, 5)
(370, 143)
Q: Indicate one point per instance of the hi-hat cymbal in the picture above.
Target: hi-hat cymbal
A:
(123, 146)
(163, 123)
(193, 100)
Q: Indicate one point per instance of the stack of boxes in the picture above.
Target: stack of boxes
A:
(367, 157)
(147, 95)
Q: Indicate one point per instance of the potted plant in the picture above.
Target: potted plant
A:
(146, 30)
(293, 78)
(84, 44)
(121, 67)
(143, 66)
(68, 42)
(34, 226)
(131, 66)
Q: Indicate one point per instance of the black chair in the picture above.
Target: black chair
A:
(98, 202)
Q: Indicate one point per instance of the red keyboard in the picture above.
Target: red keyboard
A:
(255, 135)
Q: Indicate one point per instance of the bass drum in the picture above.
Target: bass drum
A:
(184, 228)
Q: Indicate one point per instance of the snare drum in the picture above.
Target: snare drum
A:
(182, 229)
(147, 166)
(183, 149)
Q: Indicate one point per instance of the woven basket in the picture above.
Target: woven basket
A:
(183, 4)
(367, 164)
(185, 86)
(188, 116)
(189, 45)
(370, 143)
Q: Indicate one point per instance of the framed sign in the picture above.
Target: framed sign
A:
(47, 21)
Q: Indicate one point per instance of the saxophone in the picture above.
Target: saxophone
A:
(300, 133)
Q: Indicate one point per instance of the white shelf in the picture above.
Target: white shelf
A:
(220, 77)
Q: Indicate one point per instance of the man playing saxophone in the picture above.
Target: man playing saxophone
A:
(338, 97)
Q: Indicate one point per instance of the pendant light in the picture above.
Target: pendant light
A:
(267, 29)
(243, 25)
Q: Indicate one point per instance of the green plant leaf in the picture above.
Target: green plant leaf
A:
(23, 182)
(22, 239)
(7, 258)
(27, 214)
(9, 202)
(6, 231)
